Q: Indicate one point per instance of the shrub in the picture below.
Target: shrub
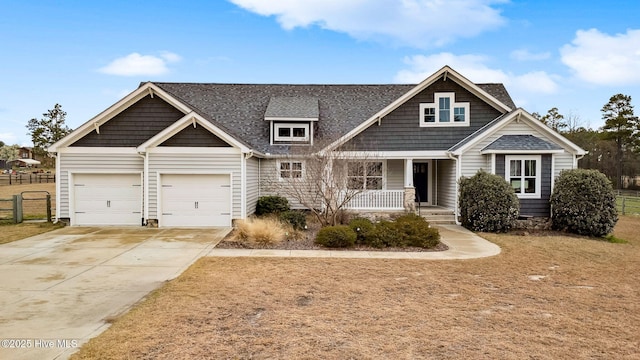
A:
(487, 203)
(416, 231)
(583, 202)
(296, 219)
(384, 234)
(272, 204)
(263, 231)
(339, 236)
(362, 227)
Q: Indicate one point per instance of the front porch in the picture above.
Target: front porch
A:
(410, 185)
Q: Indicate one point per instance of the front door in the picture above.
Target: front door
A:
(421, 181)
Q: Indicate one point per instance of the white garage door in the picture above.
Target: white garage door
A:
(195, 200)
(107, 199)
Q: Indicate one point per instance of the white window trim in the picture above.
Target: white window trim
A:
(279, 170)
(435, 105)
(507, 171)
(384, 172)
(290, 126)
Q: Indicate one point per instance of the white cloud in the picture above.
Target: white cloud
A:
(602, 59)
(8, 138)
(135, 64)
(419, 23)
(470, 66)
(526, 55)
(475, 69)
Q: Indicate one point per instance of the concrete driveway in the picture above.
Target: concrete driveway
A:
(59, 289)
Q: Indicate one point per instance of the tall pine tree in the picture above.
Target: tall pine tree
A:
(47, 130)
(621, 126)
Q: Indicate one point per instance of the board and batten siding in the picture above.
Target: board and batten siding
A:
(87, 163)
(446, 183)
(200, 163)
(252, 190)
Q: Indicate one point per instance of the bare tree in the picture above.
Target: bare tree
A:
(324, 181)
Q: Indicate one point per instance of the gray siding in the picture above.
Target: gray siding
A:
(92, 163)
(133, 126)
(195, 137)
(446, 183)
(270, 184)
(533, 207)
(401, 131)
(252, 190)
(395, 174)
(192, 164)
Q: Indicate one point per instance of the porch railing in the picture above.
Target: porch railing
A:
(377, 200)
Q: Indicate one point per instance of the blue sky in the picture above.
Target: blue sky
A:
(86, 55)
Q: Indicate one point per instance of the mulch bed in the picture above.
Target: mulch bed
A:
(307, 243)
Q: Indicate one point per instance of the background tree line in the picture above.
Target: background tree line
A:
(613, 149)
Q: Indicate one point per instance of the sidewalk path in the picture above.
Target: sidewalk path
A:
(462, 243)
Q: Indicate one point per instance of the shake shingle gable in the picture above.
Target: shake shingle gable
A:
(239, 109)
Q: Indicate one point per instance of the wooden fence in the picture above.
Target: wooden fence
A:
(11, 209)
(33, 178)
(628, 205)
(28, 205)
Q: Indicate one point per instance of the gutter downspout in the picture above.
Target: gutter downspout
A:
(145, 188)
(456, 210)
(55, 156)
(243, 182)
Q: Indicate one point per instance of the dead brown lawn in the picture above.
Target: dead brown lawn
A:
(31, 209)
(13, 232)
(541, 298)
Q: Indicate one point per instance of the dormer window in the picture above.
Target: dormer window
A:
(444, 111)
(291, 132)
(292, 119)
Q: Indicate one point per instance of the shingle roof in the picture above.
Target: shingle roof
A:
(239, 109)
(292, 107)
(520, 142)
(499, 92)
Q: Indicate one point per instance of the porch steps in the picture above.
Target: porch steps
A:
(437, 215)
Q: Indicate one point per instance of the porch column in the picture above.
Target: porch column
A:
(409, 189)
(408, 173)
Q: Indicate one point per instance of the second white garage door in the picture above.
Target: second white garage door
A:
(195, 200)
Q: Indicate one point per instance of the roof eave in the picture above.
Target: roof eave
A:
(520, 151)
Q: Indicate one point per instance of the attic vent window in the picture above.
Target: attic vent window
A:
(444, 111)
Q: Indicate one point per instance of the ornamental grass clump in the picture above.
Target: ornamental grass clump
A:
(583, 202)
(487, 203)
(260, 231)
